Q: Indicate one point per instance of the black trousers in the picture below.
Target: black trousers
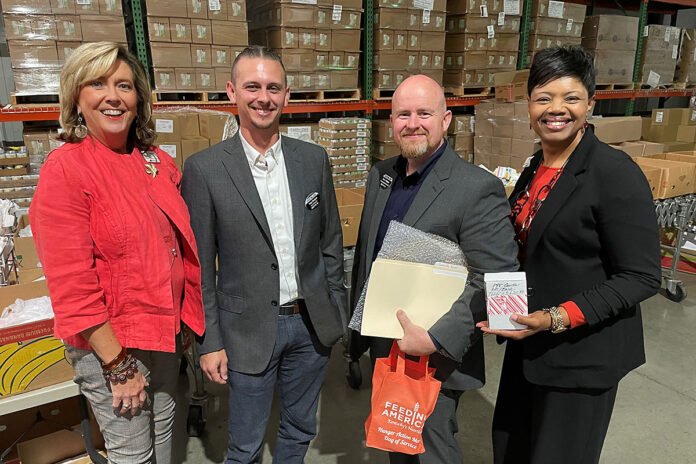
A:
(536, 424)
(440, 428)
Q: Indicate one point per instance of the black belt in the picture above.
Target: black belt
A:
(291, 307)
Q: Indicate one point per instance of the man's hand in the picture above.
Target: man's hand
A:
(215, 366)
(416, 340)
(537, 321)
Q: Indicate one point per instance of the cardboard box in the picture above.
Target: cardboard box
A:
(18, 27)
(654, 177)
(677, 146)
(192, 145)
(170, 55)
(212, 126)
(60, 445)
(559, 10)
(217, 10)
(68, 27)
(350, 206)
(165, 78)
(236, 10)
(201, 32)
(185, 78)
(221, 55)
(345, 40)
(88, 7)
(110, 7)
(677, 176)
(230, 33)
(610, 32)
(173, 149)
(58, 7)
(197, 9)
(38, 358)
(511, 85)
(385, 150)
(37, 142)
(27, 257)
(617, 129)
(662, 134)
(28, 53)
(632, 149)
(652, 148)
(201, 56)
(673, 116)
(103, 28)
(170, 8)
(158, 29)
(686, 65)
(686, 134)
(461, 124)
(205, 79)
(180, 30)
(172, 127)
(614, 66)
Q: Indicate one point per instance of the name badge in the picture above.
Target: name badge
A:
(312, 201)
(150, 157)
(385, 181)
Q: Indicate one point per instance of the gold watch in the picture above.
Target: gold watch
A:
(557, 325)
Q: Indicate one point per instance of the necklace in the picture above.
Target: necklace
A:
(523, 198)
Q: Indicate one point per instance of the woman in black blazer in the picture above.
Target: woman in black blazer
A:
(589, 245)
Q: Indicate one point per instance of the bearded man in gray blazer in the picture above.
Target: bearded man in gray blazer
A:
(431, 188)
(264, 206)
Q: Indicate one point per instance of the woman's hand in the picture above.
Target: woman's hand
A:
(129, 397)
(538, 321)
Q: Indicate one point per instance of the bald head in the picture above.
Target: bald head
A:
(420, 85)
(419, 118)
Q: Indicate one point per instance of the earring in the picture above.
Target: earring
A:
(80, 129)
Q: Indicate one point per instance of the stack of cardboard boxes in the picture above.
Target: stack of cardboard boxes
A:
(42, 33)
(675, 128)
(685, 72)
(409, 38)
(612, 39)
(503, 136)
(194, 42)
(670, 174)
(624, 133)
(39, 140)
(16, 183)
(460, 136)
(383, 138)
(482, 39)
(305, 131)
(347, 142)
(183, 133)
(658, 57)
(554, 24)
(318, 41)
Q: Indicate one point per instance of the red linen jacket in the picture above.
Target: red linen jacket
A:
(104, 255)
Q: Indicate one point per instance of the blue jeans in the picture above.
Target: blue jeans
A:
(298, 366)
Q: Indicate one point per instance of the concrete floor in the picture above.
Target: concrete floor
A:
(654, 419)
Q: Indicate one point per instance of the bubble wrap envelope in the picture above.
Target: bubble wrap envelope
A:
(405, 243)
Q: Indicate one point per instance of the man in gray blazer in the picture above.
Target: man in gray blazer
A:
(431, 188)
(265, 208)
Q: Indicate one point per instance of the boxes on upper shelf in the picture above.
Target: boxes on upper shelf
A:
(685, 71)
(659, 54)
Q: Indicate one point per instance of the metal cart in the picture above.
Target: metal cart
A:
(677, 213)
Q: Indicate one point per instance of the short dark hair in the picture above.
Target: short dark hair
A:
(566, 61)
(259, 51)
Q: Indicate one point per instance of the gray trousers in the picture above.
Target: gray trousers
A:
(145, 437)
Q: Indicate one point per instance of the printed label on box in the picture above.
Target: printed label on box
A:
(360, 151)
(506, 294)
(214, 5)
(658, 115)
(555, 9)
(424, 4)
(301, 133)
(169, 149)
(165, 126)
(675, 51)
(511, 7)
(501, 19)
(426, 16)
(653, 79)
(337, 12)
(569, 25)
(83, 2)
(361, 133)
(491, 31)
(484, 11)
(693, 115)
(645, 31)
(306, 2)
(667, 35)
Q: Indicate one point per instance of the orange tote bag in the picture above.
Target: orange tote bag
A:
(404, 394)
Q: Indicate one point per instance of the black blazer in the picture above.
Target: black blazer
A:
(595, 242)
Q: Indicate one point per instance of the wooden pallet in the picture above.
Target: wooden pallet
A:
(684, 85)
(189, 97)
(382, 94)
(324, 95)
(466, 91)
(614, 86)
(28, 99)
(662, 87)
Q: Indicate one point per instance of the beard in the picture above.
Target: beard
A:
(413, 149)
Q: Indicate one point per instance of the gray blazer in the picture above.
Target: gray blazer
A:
(465, 204)
(228, 220)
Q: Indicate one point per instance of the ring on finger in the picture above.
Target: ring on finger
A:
(126, 406)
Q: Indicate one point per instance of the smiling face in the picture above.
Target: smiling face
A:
(419, 117)
(259, 91)
(558, 110)
(109, 106)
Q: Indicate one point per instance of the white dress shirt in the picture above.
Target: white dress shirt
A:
(271, 179)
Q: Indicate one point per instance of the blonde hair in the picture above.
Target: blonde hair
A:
(90, 62)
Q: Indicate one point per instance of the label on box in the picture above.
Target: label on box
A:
(110, 5)
(201, 31)
(214, 5)
(362, 125)
(501, 19)
(693, 115)
(667, 35)
(472, 123)
(169, 149)
(360, 151)
(653, 79)
(423, 4)
(511, 7)
(337, 11)
(362, 166)
(555, 9)
(165, 126)
(658, 116)
(165, 79)
(306, 2)
(569, 25)
(201, 56)
(645, 31)
(205, 79)
(361, 142)
(491, 31)
(83, 2)
(506, 294)
(484, 11)
(675, 52)
(361, 159)
(220, 56)
(426, 16)
(300, 132)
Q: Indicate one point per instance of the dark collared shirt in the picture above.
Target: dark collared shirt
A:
(403, 193)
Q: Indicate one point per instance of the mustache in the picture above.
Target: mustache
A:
(417, 132)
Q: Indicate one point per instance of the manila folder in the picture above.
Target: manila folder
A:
(424, 291)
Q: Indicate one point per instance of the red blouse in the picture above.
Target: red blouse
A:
(543, 176)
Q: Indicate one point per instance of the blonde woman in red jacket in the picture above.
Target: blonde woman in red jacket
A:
(114, 239)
